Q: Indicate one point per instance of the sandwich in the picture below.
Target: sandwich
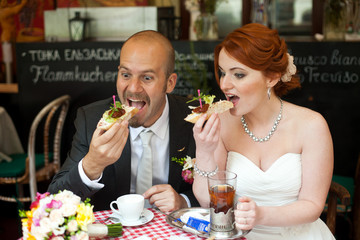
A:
(117, 112)
(208, 107)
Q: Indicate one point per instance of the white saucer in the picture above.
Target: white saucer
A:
(146, 217)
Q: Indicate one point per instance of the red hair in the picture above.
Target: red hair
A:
(259, 48)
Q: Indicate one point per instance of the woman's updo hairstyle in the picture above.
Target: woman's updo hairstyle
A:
(259, 48)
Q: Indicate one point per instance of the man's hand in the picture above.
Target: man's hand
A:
(105, 149)
(165, 198)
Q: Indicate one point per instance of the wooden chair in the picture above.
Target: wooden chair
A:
(31, 168)
(344, 198)
(337, 194)
(356, 204)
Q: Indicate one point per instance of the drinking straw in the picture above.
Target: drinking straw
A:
(199, 98)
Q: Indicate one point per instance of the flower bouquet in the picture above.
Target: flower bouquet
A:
(188, 168)
(63, 216)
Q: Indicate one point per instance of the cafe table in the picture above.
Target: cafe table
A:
(156, 229)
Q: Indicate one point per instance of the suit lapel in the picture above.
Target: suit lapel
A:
(178, 142)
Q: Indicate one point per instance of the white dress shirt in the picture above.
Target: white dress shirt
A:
(159, 142)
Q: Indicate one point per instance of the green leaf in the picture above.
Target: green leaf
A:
(22, 213)
(179, 161)
(208, 99)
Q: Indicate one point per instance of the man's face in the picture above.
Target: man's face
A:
(142, 82)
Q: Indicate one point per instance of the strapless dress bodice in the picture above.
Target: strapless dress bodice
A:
(279, 185)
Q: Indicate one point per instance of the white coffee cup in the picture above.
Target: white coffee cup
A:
(129, 206)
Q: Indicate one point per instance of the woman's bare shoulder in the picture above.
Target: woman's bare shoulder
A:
(305, 118)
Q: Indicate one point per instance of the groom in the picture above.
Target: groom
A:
(104, 165)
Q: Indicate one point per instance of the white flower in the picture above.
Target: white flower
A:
(67, 197)
(68, 209)
(72, 226)
(56, 217)
(290, 70)
(189, 163)
(58, 238)
(59, 230)
(38, 232)
(46, 225)
(82, 236)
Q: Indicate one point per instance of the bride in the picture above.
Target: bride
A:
(282, 153)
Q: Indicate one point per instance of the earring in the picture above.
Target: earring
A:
(269, 92)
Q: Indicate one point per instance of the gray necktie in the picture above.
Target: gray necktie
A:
(144, 174)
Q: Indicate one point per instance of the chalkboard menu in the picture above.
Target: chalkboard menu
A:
(330, 76)
(329, 72)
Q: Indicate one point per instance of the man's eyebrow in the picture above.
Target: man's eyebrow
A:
(148, 71)
(144, 71)
(121, 66)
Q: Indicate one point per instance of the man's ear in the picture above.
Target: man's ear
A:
(171, 82)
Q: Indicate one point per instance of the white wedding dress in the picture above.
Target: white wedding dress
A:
(277, 186)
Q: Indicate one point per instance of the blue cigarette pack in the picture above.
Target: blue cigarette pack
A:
(198, 224)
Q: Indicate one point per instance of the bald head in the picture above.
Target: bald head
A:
(149, 37)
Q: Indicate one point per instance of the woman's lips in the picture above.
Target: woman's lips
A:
(233, 98)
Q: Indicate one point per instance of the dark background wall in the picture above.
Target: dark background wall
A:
(329, 72)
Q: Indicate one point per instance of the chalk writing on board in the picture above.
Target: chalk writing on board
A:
(335, 58)
(328, 69)
(338, 59)
(315, 76)
(74, 75)
(333, 67)
(86, 54)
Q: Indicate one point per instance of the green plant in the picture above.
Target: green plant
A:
(209, 6)
(195, 71)
(334, 11)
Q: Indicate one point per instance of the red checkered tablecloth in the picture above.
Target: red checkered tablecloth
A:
(157, 228)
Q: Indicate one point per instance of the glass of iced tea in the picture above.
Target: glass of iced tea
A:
(222, 188)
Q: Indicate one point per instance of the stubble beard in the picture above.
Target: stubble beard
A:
(134, 123)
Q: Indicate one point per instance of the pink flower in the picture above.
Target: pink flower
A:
(187, 171)
(36, 221)
(54, 204)
(39, 196)
(188, 176)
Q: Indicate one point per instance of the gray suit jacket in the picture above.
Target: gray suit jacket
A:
(116, 177)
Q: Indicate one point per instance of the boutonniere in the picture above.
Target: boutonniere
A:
(188, 168)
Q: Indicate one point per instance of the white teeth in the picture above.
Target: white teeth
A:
(135, 100)
(230, 95)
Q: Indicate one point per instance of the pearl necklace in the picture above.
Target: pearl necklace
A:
(273, 129)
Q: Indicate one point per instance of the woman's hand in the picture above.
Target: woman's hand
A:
(207, 134)
(246, 213)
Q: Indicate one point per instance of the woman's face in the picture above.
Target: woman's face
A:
(243, 86)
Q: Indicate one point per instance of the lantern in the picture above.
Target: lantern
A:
(77, 27)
